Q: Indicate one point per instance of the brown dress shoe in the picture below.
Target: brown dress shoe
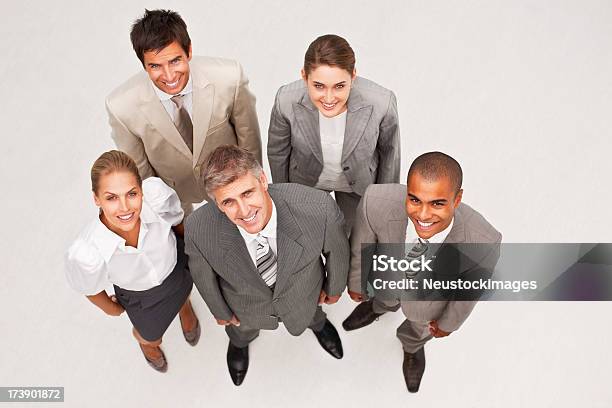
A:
(192, 336)
(413, 368)
(158, 364)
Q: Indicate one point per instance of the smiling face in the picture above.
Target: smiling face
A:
(120, 199)
(246, 202)
(168, 68)
(329, 88)
(430, 205)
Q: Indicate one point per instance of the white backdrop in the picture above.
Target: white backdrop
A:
(519, 92)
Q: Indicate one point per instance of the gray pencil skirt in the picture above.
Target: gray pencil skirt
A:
(151, 311)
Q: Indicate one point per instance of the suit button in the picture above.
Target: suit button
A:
(352, 183)
(274, 300)
(346, 168)
(196, 170)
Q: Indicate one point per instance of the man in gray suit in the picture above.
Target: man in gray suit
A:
(426, 212)
(255, 255)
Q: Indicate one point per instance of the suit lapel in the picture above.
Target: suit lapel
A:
(203, 102)
(156, 114)
(289, 248)
(307, 118)
(357, 118)
(457, 233)
(236, 255)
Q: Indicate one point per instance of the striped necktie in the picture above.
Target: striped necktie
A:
(415, 251)
(266, 261)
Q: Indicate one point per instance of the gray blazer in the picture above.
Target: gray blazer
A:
(381, 217)
(309, 224)
(371, 150)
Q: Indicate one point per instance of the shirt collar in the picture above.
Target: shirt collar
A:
(269, 231)
(166, 97)
(438, 238)
(339, 117)
(108, 242)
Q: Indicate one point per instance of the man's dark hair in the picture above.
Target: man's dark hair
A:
(156, 30)
(433, 166)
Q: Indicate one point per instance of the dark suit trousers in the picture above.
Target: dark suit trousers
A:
(241, 336)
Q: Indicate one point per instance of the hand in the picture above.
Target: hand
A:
(357, 297)
(115, 309)
(329, 300)
(234, 320)
(436, 331)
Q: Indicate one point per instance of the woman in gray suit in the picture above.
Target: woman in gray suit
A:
(333, 130)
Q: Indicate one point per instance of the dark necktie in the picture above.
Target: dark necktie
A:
(182, 121)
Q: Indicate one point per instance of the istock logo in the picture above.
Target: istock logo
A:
(383, 263)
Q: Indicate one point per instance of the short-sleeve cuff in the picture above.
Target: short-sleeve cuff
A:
(85, 269)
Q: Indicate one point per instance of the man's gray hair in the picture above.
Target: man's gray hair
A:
(225, 165)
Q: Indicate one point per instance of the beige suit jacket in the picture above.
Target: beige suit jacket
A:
(223, 113)
(381, 218)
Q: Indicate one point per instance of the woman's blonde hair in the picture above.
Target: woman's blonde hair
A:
(111, 162)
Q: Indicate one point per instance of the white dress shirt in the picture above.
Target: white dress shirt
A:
(269, 232)
(99, 258)
(332, 140)
(170, 107)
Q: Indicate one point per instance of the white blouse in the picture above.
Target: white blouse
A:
(332, 141)
(99, 258)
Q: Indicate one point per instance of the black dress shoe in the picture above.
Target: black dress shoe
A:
(329, 340)
(237, 362)
(413, 368)
(361, 316)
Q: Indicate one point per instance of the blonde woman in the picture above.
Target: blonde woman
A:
(135, 244)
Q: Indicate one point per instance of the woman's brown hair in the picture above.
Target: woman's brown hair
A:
(329, 49)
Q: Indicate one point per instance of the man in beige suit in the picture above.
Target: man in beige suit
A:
(426, 213)
(171, 116)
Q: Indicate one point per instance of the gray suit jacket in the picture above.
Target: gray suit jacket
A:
(381, 218)
(371, 150)
(309, 224)
(223, 113)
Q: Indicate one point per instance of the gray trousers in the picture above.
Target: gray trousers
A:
(241, 336)
(348, 205)
(413, 335)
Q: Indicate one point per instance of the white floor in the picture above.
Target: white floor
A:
(519, 92)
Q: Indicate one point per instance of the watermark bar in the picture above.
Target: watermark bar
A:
(31, 394)
(487, 271)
